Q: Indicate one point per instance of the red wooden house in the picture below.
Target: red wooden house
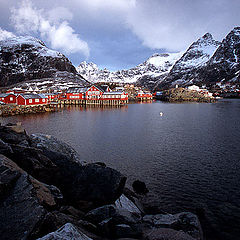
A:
(8, 98)
(75, 93)
(31, 99)
(94, 93)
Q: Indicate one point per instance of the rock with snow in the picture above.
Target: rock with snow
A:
(126, 204)
(27, 58)
(66, 232)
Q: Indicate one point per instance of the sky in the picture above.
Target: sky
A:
(117, 34)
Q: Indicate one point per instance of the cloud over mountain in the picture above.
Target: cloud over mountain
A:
(53, 26)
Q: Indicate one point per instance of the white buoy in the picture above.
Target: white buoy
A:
(161, 113)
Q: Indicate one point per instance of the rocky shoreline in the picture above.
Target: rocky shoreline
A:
(184, 95)
(47, 192)
(12, 110)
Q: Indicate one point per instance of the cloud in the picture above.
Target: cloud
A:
(5, 34)
(53, 26)
(174, 24)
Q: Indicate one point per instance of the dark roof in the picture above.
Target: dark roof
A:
(33, 96)
(104, 87)
(77, 90)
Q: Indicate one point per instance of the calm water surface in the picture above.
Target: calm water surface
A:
(189, 157)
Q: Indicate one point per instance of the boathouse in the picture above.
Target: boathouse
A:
(8, 98)
(76, 93)
(31, 99)
(144, 96)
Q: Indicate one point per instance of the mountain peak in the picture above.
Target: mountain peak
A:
(207, 36)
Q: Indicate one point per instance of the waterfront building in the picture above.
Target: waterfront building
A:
(31, 99)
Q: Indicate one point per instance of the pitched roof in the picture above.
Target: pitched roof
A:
(77, 90)
(33, 96)
(3, 95)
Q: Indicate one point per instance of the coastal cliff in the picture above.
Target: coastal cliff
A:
(48, 192)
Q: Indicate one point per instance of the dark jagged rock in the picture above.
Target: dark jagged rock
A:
(22, 206)
(8, 135)
(26, 58)
(5, 148)
(34, 162)
(139, 187)
(100, 214)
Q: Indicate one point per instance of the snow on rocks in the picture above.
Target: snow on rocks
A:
(66, 232)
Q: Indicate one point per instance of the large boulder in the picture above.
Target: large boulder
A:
(115, 222)
(48, 142)
(23, 201)
(66, 232)
(139, 187)
(123, 203)
(185, 221)
(34, 162)
(9, 135)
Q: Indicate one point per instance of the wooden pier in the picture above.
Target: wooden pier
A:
(64, 102)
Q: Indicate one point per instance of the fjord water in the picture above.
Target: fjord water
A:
(189, 157)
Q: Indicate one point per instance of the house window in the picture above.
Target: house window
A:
(11, 98)
(36, 100)
(30, 100)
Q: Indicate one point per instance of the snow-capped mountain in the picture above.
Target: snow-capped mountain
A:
(28, 58)
(207, 62)
(224, 65)
(156, 65)
(187, 68)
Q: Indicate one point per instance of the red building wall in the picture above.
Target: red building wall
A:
(10, 99)
(93, 93)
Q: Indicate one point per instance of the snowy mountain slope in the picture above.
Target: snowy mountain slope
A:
(224, 65)
(156, 65)
(27, 58)
(187, 68)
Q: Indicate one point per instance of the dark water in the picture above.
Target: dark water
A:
(189, 157)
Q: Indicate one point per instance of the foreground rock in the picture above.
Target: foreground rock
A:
(48, 142)
(46, 192)
(185, 221)
(24, 201)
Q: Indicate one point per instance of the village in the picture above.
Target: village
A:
(32, 99)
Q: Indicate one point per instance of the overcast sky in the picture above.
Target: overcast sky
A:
(117, 34)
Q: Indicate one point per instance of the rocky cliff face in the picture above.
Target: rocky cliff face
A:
(27, 58)
(156, 66)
